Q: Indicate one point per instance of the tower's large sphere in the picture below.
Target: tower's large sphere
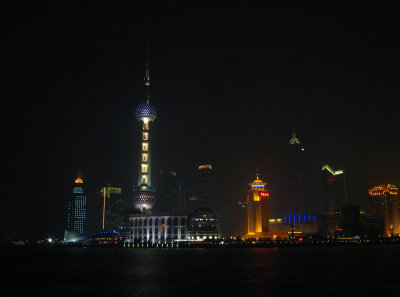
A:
(145, 111)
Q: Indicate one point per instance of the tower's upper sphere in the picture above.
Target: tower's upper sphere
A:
(146, 111)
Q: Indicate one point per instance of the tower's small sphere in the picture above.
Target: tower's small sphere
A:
(145, 111)
(144, 199)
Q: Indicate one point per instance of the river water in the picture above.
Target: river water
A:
(319, 271)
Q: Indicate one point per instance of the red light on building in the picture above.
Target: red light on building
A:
(331, 179)
(264, 194)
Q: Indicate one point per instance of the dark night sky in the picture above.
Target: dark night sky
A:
(229, 85)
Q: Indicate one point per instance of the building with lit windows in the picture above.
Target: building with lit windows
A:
(257, 202)
(76, 211)
(113, 207)
(202, 225)
(385, 201)
(144, 195)
(291, 225)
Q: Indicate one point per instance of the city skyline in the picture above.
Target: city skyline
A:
(229, 93)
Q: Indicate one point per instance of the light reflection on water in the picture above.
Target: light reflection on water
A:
(370, 271)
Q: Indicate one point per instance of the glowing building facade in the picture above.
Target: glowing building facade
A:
(160, 228)
(76, 213)
(385, 201)
(257, 208)
(144, 195)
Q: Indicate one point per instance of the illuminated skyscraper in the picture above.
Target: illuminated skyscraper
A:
(333, 189)
(257, 208)
(385, 201)
(76, 214)
(144, 195)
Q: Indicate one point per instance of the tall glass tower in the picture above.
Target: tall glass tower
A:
(144, 195)
(76, 214)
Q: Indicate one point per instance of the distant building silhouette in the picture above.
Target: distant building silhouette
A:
(351, 221)
(170, 193)
(205, 186)
(295, 175)
(76, 210)
(202, 197)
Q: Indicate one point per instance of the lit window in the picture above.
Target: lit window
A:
(145, 146)
(145, 157)
(145, 126)
(145, 167)
(145, 135)
(144, 179)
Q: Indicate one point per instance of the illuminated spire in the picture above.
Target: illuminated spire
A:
(294, 139)
(258, 184)
(147, 74)
(79, 181)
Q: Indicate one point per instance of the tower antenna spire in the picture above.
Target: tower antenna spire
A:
(147, 73)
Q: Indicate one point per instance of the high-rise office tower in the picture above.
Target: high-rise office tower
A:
(76, 213)
(333, 189)
(113, 206)
(144, 195)
(170, 193)
(203, 194)
(257, 207)
(385, 201)
(205, 186)
(295, 174)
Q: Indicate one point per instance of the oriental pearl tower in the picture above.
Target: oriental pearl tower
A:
(144, 195)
